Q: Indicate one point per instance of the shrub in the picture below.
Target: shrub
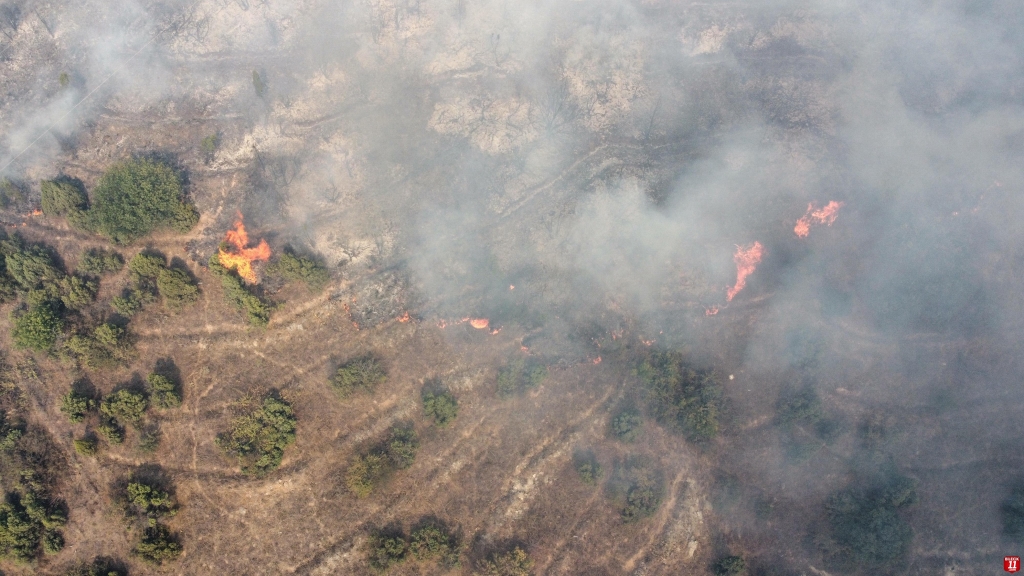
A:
(301, 269)
(514, 562)
(12, 193)
(85, 446)
(517, 375)
(157, 545)
(130, 303)
(125, 405)
(107, 346)
(258, 439)
(365, 473)
(588, 468)
(63, 197)
(30, 266)
(730, 566)
(163, 392)
(150, 501)
(386, 549)
(432, 540)
(402, 446)
(146, 266)
(135, 197)
(210, 144)
(111, 431)
(37, 328)
(1012, 512)
(256, 310)
(29, 523)
(685, 398)
(76, 405)
(76, 292)
(802, 407)
(98, 262)
(149, 440)
(441, 407)
(645, 491)
(362, 374)
(627, 426)
(98, 567)
(177, 288)
(866, 528)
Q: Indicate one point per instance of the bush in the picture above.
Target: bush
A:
(37, 328)
(177, 288)
(28, 523)
(146, 266)
(98, 262)
(149, 501)
(107, 346)
(1012, 512)
(627, 426)
(441, 407)
(866, 528)
(433, 540)
(111, 431)
(359, 374)
(98, 567)
(86, 446)
(209, 145)
(386, 549)
(517, 375)
(135, 197)
(63, 197)
(130, 303)
(365, 473)
(76, 292)
(402, 446)
(30, 267)
(301, 269)
(157, 545)
(12, 193)
(125, 405)
(76, 405)
(730, 566)
(644, 492)
(802, 407)
(163, 392)
(256, 310)
(514, 562)
(258, 439)
(588, 468)
(682, 397)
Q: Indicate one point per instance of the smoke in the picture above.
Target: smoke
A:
(607, 159)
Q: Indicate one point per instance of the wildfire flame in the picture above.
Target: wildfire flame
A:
(241, 258)
(479, 323)
(826, 215)
(712, 311)
(746, 260)
(404, 317)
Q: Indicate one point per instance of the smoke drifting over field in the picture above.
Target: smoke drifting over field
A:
(607, 159)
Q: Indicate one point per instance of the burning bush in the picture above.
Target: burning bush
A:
(687, 399)
(258, 437)
(257, 311)
(364, 373)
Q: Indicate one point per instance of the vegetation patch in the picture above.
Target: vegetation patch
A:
(431, 540)
(730, 566)
(682, 397)
(294, 268)
(441, 406)
(362, 374)
(867, 530)
(256, 310)
(588, 468)
(259, 437)
(627, 425)
(518, 375)
(513, 562)
(368, 471)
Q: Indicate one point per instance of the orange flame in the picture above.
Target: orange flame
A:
(746, 260)
(711, 311)
(596, 360)
(404, 317)
(826, 216)
(241, 258)
(479, 323)
(37, 212)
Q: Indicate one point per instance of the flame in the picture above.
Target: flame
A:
(404, 317)
(37, 212)
(241, 258)
(711, 311)
(479, 323)
(826, 215)
(596, 360)
(746, 260)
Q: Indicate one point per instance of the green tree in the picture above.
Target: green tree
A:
(627, 426)
(365, 473)
(386, 549)
(63, 197)
(98, 567)
(177, 288)
(107, 346)
(163, 392)
(149, 500)
(518, 375)
(644, 493)
(31, 267)
(514, 562)
(300, 269)
(135, 197)
(440, 406)
(433, 540)
(256, 310)
(402, 445)
(125, 405)
(867, 530)
(258, 438)
(77, 292)
(76, 405)
(730, 566)
(85, 446)
(359, 374)
(588, 468)
(146, 266)
(158, 545)
(37, 328)
(98, 262)
(111, 431)
(685, 398)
